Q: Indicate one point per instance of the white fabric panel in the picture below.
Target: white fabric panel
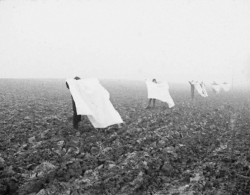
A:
(92, 99)
(203, 87)
(216, 88)
(225, 86)
(159, 91)
(200, 88)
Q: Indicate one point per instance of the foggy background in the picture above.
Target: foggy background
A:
(125, 39)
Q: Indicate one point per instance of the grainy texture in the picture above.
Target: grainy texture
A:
(199, 147)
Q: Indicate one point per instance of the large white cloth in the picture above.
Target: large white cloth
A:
(225, 86)
(200, 88)
(217, 87)
(159, 91)
(92, 99)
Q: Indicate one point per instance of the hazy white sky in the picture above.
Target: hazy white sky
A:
(172, 39)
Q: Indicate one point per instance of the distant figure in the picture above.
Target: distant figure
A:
(226, 86)
(192, 89)
(150, 99)
(76, 118)
(200, 88)
(216, 87)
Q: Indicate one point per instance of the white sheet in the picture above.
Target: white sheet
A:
(92, 99)
(159, 91)
(225, 86)
(216, 88)
(200, 88)
(221, 86)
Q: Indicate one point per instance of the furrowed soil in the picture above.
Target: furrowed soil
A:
(199, 147)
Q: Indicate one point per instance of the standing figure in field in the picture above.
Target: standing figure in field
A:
(216, 87)
(158, 91)
(76, 118)
(192, 88)
(91, 99)
(150, 99)
(200, 88)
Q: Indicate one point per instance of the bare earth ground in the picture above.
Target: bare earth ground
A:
(199, 147)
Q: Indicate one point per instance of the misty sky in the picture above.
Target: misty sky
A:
(133, 39)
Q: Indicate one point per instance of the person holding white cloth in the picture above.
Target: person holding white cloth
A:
(93, 100)
(200, 88)
(159, 91)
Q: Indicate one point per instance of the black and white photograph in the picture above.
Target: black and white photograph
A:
(124, 97)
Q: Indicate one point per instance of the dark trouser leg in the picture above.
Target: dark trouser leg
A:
(76, 118)
(192, 90)
(153, 103)
(149, 102)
